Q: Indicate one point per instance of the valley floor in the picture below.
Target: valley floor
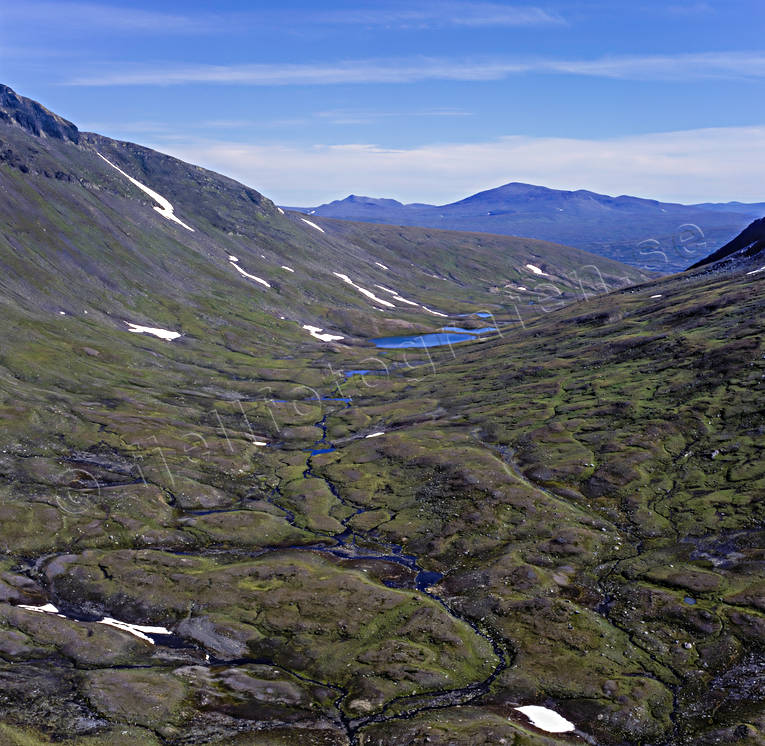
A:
(566, 515)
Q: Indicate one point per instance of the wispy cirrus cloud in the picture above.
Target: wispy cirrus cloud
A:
(690, 9)
(440, 14)
(343, 72)
(165, 130)
(367, 116)
(716, 164)
(90, 16)
(698, 66)
(677, 67)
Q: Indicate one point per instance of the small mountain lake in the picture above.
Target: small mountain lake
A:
(451, 335)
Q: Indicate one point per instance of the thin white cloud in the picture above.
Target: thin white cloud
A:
(690, 9)
(87, 16)
(704, 65)
(96, 16)
(367, 116)
(344, 72)
(164, 130)
(690, 166)
(435, 15)
(701, 66)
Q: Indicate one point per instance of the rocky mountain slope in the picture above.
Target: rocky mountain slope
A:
(82, 228)
(247, 535)
(664, 237)
(748, 246)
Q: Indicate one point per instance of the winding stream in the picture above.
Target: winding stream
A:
(424, 581)
(342, 545)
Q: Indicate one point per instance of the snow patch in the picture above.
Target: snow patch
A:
(137, 630)
(44, 609)
(396, 296)
(161, 333)
(656, 296)
(233, 258)
(313, 225)
(280, 210)
(536, 270)
(436, 313)
(375, 435)
(163, 207)
(247, 274)
(754, 272)
(315, 331)
(546, 719)
(368, 293)
(381, 265)
(289, 269)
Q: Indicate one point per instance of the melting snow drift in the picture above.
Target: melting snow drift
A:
(161, 333)
(313, 225)
(536, 270)
(369, 294)
(247, 274)
(45, 609)
(165, 209)
(137, 630)
(315, 331)
(396, 296)
(400, 299)
(546, 719)
(436, 313)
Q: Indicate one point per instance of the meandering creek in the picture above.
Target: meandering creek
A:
(344, 545)
(424, 581)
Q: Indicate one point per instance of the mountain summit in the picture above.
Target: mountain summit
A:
(642, 232)
(34, 118)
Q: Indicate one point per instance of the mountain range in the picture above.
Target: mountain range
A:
(659, 236)
(232, 514)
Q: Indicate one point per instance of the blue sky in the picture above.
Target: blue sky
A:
(420, 101)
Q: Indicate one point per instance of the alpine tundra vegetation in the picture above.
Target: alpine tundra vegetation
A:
(233, 511)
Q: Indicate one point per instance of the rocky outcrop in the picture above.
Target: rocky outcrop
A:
(34, 118)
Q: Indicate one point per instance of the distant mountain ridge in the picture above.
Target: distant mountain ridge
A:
(645, 233)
